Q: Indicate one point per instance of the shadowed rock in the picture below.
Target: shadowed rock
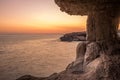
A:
(83, 7)
(75, 36)
(29, 77)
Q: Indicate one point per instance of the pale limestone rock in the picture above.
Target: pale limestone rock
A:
(92, 52)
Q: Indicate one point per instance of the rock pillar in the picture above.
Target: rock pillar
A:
(103, 46)
(102, 26)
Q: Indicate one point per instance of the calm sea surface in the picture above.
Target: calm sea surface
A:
(38, 55)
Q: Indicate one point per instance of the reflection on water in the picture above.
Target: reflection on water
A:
(35, 56)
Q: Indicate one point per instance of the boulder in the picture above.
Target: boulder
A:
(92, 52)
(80, 50)
(77, 65)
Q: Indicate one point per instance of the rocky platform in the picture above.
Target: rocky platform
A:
(74, 36)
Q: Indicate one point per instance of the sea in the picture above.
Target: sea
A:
(39, 55)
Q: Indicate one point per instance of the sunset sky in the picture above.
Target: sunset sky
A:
(37, 16)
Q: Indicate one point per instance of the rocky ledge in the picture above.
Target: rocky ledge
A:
(74, 36)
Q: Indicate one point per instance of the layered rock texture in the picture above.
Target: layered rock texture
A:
(99, 57)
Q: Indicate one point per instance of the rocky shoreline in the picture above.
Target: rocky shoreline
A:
(88, 64)
(72, 71)
(74, 36)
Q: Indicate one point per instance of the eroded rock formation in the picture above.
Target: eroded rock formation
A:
(99, 57)
(102, 56)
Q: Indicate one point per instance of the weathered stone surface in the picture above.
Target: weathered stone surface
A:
(92, 52)
(75, 36)
(102, 29)
(91, 28)
(80, 50)
(29, 77)
(83, 7)
(77, 65)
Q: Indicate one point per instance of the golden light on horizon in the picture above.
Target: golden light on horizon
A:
(37, 16)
